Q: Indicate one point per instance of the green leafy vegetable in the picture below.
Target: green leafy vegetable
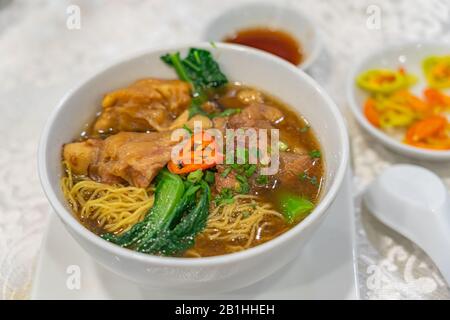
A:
(200, 70)
(182, 236)
(294, 208)
(174, 220)
(169, 190)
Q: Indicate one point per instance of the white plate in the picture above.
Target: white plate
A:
(325, 269)
(409, 56)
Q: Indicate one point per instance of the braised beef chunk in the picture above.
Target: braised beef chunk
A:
(256, 116)
(260, 116)
(292, 165)
(263, 112)
(225, 181)
(148, 104)
(135, 158)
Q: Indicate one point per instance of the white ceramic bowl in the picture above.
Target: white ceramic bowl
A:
(410, 56)
(201, 275)
(284, 17)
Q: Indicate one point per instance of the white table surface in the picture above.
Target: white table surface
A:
(40, 58)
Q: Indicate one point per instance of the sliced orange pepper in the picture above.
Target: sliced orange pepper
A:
(371, 112)
(426, 128)
(196, 145)
(436, 98)
(413, 101)
(409, 100)
(174, 168)
(429, 127)
(444, 145)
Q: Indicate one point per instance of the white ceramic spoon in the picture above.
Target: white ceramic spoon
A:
(414, 202)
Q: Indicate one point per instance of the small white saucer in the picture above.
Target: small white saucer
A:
(273, 15)
(325, 269)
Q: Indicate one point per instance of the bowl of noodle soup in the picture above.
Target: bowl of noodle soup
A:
(245, 237)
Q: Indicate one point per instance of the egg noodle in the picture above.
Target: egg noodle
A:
(115, 208)
(240, 224)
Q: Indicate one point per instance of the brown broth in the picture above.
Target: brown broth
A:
(277, 42)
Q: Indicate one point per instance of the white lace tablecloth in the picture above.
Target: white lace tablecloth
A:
(40, 58)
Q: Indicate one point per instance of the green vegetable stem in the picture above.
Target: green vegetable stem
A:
(200, 70)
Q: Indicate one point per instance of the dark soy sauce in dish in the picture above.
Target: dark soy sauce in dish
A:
(277, 42)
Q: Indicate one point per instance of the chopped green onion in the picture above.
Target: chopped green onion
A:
(282, 146)
(226, 172)
(235, 166)
(250, 170)
(316, 154)
(304, 129)
(262, 180)
(243, 186)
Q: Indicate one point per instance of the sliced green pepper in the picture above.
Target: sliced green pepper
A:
(293, 207)
(394, 111)
(384, 80)
(437, 71)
